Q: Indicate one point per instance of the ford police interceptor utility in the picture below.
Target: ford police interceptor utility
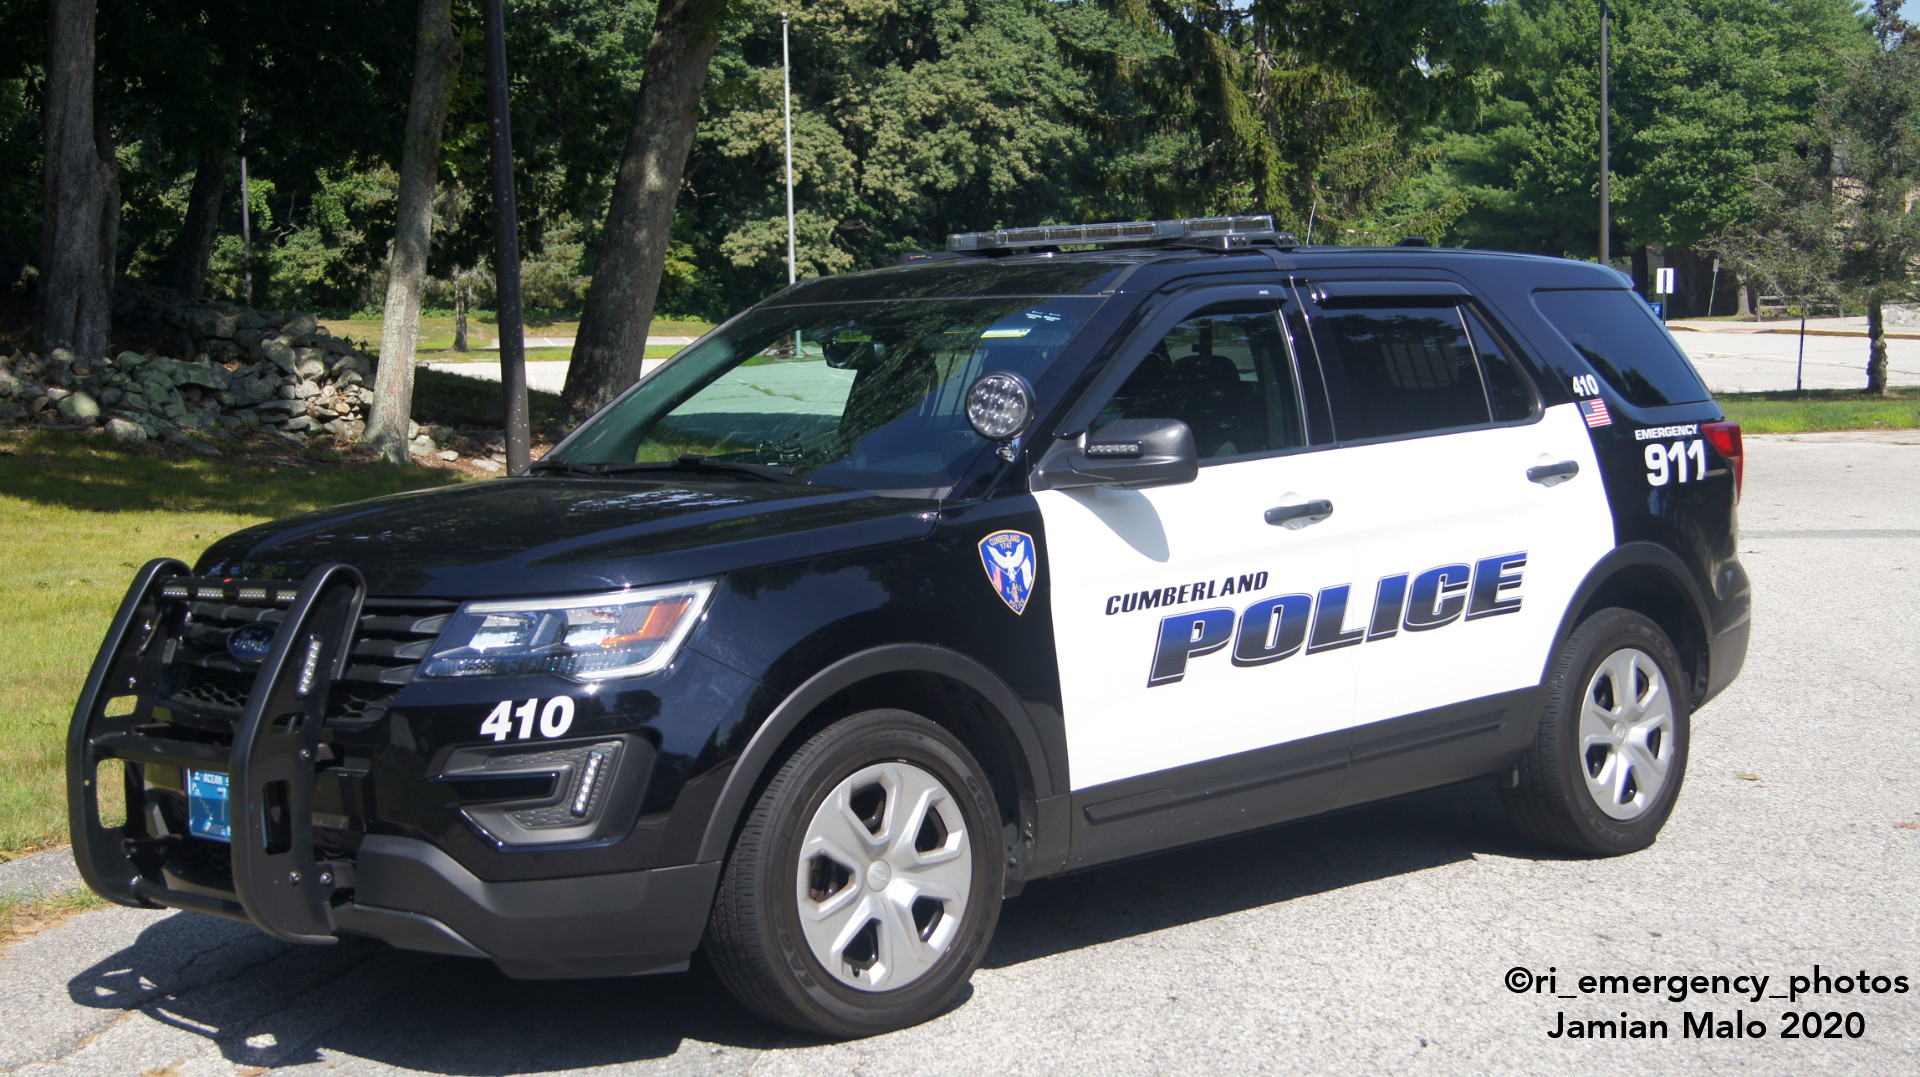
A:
(904, 588)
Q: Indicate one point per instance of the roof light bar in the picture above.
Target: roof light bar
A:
(1120, 232)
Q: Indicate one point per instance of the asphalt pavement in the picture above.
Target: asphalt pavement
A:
(1747, 357)
(1384, 939)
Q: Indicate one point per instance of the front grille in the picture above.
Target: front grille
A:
(202, 677)
(211, 689)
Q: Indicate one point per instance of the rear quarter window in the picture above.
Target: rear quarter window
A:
(1619, 337)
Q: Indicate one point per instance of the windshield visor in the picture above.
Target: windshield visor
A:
(865, 395)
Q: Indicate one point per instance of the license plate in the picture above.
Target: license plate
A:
(207, 805)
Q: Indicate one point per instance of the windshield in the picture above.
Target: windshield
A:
(870, 395)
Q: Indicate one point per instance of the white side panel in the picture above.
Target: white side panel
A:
(1457, 499)
(1400, 509)
(1106, 544)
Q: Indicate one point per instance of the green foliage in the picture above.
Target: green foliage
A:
(1846, 191)
(1290, 107)
(911, 119)
(1458, 119)
(1836, 211)
(1701, 90)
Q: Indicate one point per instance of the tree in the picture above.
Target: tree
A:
(193, 248)
(82, 192)
(1841, 208)
(1701, 91)
(612, 339)
(1299, 108)
(909, 122)
(433, 66)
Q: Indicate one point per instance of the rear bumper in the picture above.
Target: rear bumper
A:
(1726, 653)
(416, 897)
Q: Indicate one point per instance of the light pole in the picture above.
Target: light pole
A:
(246, 225)
(1606, 202)
(786, 99)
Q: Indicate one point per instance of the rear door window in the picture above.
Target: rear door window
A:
(1399, 371)
(1508, 391)
(1624, 344)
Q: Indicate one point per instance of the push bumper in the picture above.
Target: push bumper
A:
(407, 892)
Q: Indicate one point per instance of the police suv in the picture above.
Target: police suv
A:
(906, 587)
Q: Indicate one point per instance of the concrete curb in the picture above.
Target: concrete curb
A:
(1792, 332)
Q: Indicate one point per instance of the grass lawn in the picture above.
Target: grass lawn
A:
(20, 917)
(1813, 410)
(436, 334)
(78, 515)
(441, 397)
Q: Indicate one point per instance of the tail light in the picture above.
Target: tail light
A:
(1726, 441)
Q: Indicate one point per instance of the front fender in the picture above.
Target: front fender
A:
(762, 750)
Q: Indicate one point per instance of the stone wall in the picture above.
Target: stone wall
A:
(297, 390)
(248, 369)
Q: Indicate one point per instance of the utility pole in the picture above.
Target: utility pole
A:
(1606, 201)
(506, 243)
(786, 99)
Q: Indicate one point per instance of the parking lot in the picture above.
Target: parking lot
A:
(1383, 939)
(1749, 357)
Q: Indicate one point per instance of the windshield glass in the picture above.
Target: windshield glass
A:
(869, 395)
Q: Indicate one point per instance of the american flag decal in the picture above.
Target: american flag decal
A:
(1595, 411)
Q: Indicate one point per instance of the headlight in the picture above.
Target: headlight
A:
(587, 637)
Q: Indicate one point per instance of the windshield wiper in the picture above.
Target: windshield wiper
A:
(706, 464)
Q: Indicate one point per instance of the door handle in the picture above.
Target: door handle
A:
(1294, 517)
(1553, 474)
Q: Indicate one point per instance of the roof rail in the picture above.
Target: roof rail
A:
(1213, 233)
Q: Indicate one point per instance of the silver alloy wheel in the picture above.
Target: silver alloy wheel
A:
(1626, 733)
(883, 877)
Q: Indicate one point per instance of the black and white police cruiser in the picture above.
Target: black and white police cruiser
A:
(904, 588)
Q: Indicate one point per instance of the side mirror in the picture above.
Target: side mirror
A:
(1127, 453)
(852, 354)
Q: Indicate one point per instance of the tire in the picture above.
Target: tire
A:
(864, 887)
(1605, 768)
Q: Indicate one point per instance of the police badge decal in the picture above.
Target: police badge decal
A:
(1008, 558)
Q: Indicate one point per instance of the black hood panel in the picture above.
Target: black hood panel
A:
(538, 536)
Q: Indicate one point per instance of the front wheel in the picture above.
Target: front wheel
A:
(865, 885)
(1605, 768)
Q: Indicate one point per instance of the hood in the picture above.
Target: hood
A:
(554, 535)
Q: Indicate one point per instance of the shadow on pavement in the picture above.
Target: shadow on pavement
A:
(270, 1004)
(1400, 837)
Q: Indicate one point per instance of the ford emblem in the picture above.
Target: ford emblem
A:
(250, 643)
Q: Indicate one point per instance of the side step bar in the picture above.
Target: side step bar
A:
(278, 882)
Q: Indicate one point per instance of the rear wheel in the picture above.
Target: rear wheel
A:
(1605, 768)
(865, 885)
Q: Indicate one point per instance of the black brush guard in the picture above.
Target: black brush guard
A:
(278, 883)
